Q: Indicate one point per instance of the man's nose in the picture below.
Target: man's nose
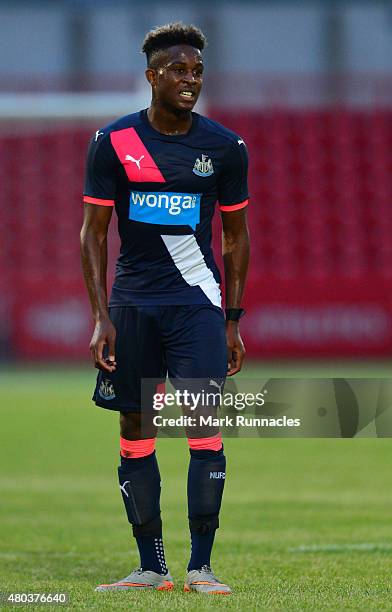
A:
(189, 76)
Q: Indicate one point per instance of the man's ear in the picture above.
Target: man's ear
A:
(151, 76)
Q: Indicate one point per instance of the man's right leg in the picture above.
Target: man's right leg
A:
(140, 485)
(138, 356)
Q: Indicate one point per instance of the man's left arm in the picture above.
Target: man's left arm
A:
(235, 251)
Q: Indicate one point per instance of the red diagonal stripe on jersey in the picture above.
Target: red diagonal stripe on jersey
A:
(138, 163)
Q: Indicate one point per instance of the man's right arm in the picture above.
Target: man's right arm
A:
(93, 240)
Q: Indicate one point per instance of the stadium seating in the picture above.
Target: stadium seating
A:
(321, 190)
(320, 184)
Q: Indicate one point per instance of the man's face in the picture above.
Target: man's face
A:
(177, 77)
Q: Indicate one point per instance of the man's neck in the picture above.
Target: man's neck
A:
(167, 121)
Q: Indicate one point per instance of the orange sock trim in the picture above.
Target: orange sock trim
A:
(134, 449)
(212, 443)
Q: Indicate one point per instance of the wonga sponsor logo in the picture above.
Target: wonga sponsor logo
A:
(165, 208)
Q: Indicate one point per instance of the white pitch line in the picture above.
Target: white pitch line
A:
(364, 547)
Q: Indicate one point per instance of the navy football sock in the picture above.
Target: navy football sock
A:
(152, 554)
(201, 547)
(140, 485)
(206, 479)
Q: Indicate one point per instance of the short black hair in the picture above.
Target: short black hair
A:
(170, 34)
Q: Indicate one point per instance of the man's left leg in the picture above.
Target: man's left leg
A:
(197, 355)
(206, 479)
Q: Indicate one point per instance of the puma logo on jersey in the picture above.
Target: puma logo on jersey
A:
(135, 161)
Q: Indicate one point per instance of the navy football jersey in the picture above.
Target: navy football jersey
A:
(165, 189)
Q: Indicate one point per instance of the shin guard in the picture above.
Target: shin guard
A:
(140, 485)
(206, 479)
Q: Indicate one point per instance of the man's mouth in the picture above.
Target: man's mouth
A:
(188, 95)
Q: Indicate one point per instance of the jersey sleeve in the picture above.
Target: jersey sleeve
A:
(100, 179)
(233, 184)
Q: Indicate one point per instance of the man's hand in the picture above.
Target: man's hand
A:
(104, 334)
(235, 348)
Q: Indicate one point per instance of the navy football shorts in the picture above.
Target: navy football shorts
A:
(183, 342)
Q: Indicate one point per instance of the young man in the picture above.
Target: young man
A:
(164, 169)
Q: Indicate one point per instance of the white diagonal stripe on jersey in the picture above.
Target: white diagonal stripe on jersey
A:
(189, 260)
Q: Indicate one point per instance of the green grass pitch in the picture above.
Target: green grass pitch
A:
(306, 524)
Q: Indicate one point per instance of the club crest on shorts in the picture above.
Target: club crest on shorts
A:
(203, 166)
(106, 390)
